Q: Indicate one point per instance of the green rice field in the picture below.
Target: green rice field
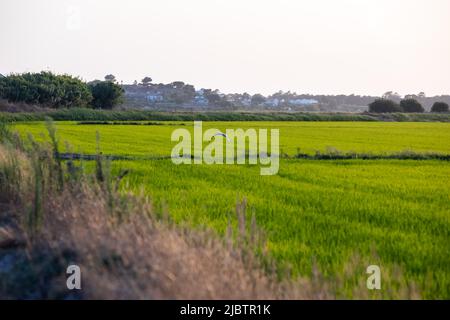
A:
(329, 213)
(378, 137)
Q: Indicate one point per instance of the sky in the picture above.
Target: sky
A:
(364, 47)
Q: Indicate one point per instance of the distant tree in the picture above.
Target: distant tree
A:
(106, 94)
(245, 95)
(440, 107)
(213, 97)
(110, 78)
(224, 104)
(188, 92)
(390, 95)
(411, 96)
(177, 84)
(178, 92)
(146, 81)
(411, 105)
(384, 106)
(258, 99)
(387, 94)
(135, 83)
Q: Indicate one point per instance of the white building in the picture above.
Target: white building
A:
(274, 102)
(199, 98)
(155, 97)
(303, 102)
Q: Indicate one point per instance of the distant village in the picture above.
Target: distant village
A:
(179, 95)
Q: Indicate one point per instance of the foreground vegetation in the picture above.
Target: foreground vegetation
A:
(54, 214)
(340, 215)
(125, 248)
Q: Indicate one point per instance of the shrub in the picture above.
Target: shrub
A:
(106, 94)
(440, 107)
(384, 106)
(45, 88)
(411, 105)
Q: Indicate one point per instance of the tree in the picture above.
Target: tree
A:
(411, 105)
(177, 84)
(188, 92)
(390, 95)
(146, 81)
(258, 99)
(110, 78)
(411, 96)
(213, 97)
(106, 94)
(45, 88)
(440, 107)
(384, 106)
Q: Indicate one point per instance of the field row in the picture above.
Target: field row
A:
(306, 137)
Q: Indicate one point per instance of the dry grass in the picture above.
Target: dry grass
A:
(6, 106)
(124, 248)
(141, 257)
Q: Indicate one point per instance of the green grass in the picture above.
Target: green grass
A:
(388, 212)
(154, 140)
(326, 210)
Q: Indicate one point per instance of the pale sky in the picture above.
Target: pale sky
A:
(307, 46)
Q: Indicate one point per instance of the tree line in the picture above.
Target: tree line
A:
(408, 105)
(64, 91)
(60, 91)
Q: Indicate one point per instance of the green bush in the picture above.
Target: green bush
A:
(411, 105)
(45, 88)
(439, 107)
(384, 106)
(106, 94)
